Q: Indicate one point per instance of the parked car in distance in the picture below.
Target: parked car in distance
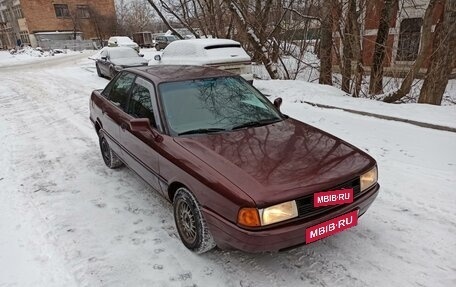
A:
(113, 59)
(162, 41)
(122, 41)
(144, 39)
(238, 172)
(223, 54)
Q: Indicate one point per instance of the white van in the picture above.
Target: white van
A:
(223, 54)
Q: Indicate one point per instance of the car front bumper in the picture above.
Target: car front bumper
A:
(228, 235)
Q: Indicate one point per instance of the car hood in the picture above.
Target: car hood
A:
(281, 161)
(130, 62)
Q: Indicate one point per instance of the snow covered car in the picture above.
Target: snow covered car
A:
(122, 41)
(162, 41)
(222, 54)
(111, 60)
(238, 172)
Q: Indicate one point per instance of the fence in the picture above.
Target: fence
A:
(76, 45)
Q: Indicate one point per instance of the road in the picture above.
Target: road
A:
(67, 220)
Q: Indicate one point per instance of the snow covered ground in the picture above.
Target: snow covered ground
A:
(300, 91)
(29, 55)
(67, 220)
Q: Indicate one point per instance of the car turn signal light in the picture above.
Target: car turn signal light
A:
(249, 217)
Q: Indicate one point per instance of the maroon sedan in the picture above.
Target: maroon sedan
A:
(239, 173)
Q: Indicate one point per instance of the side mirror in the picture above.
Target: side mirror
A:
(141, 55)
(278, 103)
(143, 125)
(104, 58)
(157, 58)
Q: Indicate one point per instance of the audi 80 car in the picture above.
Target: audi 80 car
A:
(239, 173)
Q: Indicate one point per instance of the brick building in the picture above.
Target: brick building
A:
(33, 21)
(404, 37)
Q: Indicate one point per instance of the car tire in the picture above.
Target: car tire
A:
(109, 157)
(190, 223)
(157, 47)
(99, 71)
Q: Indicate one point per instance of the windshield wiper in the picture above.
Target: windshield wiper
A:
(256, 123)
(202, 131)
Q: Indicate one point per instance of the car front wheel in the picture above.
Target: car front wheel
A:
(109, 157)
(190, 223)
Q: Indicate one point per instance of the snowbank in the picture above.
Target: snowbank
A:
(29, 55)
(301, 91)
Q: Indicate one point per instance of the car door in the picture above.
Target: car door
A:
(139, 147)
(114, 108)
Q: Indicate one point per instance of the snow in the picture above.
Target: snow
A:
(300, 91)
(30, 55)
(67, 220)
(122, 40)
(194, 52)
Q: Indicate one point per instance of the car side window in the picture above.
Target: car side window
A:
(142, 102)
(118, 94)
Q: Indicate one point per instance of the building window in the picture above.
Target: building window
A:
(83, 11)
(409, 39)
(8, 16)
(61, 11)
(17, 11)
(25, 39)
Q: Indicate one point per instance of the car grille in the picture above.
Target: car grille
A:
(305, 204)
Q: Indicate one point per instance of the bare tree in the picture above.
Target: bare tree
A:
(167, 23)
(443, 57)
(326, 43)
(376, 78)
(357, 49)
(134, 16)
(104, 25)
(253, 37)
(426, 41)
(348, 42)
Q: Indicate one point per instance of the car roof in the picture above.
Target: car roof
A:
(171, 73)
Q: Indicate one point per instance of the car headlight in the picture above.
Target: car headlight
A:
(368, 179)
(254, 217)
(278, 212)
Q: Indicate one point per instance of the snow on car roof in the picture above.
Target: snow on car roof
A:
(202, 43)
(123, 39)
(201, 48)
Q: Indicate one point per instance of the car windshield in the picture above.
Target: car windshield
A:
(213, 105)
(123, 53)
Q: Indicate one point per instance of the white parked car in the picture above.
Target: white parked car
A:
(122, 41)
(223, 54)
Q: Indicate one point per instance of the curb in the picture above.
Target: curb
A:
(383, 117)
